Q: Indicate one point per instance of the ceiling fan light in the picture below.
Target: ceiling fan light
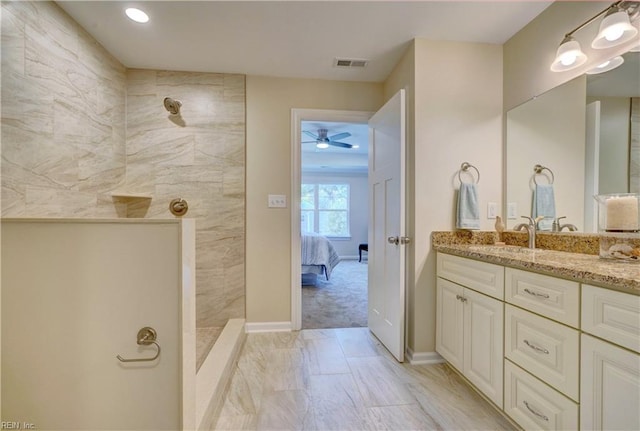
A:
(615, 29)
(607, 65)
(569, 55)
(322, 145)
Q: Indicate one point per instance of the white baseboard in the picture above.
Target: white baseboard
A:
(423, 358)
(267, 327)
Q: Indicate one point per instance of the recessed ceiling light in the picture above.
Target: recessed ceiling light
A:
(137, 15)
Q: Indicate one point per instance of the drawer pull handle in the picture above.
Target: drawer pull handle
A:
(540, 415)
(536, 294)
(536, 348)
(461, 298)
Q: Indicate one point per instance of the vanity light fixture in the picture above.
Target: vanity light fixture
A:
(137, 15)
(606, 66)
(615, 29)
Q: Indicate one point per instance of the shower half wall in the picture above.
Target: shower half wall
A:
(78, 126)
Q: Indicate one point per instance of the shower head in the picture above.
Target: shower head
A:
(172, 105)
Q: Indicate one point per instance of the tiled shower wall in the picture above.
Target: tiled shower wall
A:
(199, 157)
(63, 116)
(77, 126)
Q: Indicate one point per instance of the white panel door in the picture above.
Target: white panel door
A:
(483, 343)
(387, 238)
(449, 318)
(610, 387)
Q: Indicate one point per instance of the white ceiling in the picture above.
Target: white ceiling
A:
(291, 38)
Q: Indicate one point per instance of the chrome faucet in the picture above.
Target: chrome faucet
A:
(557, 226)
(530, 228)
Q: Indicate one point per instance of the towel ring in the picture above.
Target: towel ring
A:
(538, 171)
(464, 167)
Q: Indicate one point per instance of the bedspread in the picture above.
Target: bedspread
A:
(318, 252)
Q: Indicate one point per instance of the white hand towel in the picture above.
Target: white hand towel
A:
(544, 204)
(468, 216)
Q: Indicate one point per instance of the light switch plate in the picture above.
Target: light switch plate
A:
(277, 201)
(512, 211)
(492, 210)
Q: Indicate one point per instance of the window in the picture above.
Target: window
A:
(325, 209)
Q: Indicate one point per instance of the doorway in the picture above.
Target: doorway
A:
(329, 199)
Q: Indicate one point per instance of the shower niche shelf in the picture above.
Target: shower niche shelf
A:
(130, 195)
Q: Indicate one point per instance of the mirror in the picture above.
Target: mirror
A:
(586, 132)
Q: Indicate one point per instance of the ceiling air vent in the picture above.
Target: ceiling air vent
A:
(350, 62)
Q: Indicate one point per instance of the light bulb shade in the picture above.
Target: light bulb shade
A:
(606, 66)
(615, 29)
(322, 145)
(569, 55)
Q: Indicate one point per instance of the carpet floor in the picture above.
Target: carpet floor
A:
(338, 303)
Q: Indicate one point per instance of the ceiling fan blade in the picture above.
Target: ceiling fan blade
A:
(340, 144)
(309, 142)
(306, 132)
(340, 136)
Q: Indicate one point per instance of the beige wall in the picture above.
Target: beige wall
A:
(458, 118)
(455, 115)
(269, 104)
(529, 54)
(403, 76)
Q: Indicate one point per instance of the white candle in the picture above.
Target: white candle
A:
(622, 213)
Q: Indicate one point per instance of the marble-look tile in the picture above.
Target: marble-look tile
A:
(325, 356)
(378, 385)
(358, 342)
(236, 423)
(336, 403)
(311, 334)
(285, 410)
(409, 397)
(205, 338)
(404, 417)
(239, 398)
(287, 370)
(446, 398)
(13, 41)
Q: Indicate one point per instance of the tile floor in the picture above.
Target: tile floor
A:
(343, 379)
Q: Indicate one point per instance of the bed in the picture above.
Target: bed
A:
(318, 255)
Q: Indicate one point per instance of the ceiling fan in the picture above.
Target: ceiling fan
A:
(323, 141)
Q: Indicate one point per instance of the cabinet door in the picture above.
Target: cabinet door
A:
(449, 317)
(610, 387)
(483, 344)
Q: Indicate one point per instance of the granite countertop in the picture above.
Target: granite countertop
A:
(623, 276)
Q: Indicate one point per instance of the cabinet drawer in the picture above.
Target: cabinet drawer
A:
(534, 405)
(551, 297)
(614, 316)
(484, 277)
(546, 349)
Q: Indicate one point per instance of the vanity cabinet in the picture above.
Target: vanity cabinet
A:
(470, 321)
(571, 350)
(610, 364)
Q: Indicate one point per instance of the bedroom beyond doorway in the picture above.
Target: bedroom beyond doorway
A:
(340, 302)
